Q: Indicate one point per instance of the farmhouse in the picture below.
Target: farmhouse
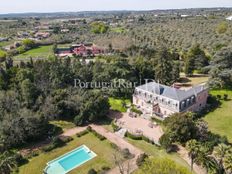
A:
(155, 99)
(82, 50)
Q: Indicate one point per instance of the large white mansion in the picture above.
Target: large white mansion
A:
(159, 100)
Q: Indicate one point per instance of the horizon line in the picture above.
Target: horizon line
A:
(116, 10)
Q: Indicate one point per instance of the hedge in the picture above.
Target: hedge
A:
(99, 136)
(138, 137)
(134, 137)
(82, 133)
(57, 142)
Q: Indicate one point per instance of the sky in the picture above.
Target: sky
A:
(21, 6)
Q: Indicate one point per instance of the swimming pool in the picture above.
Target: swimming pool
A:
(69, 161)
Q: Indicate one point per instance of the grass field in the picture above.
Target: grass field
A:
(103, 149)
(155, 151)
(40, 52)
(194, 80)
(117, 104)
(220, 120)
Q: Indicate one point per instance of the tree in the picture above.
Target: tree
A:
(181, 127)
(94, 108)
(99, 27)
(228, 161)
(222, 28)
(220, 153)
(196, 59)
(189, 66)
(193, 148)
(7, 162)
(29, 92)
(142, 68)
(204, 158)
(28, 43)
(221, 69)
(163, 67)
(166, 141)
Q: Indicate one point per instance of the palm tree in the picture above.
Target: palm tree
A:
(219, 154)
(193, 148)
(7, 162)
(228, 161)
(203, 158)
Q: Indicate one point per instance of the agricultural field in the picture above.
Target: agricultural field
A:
(40, 52)
(219, 120)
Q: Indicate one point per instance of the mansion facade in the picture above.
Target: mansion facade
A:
(161, 101)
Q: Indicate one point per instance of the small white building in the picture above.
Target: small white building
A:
(229, 18)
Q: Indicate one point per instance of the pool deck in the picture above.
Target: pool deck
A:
(55, 167)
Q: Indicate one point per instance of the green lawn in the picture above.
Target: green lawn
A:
(117, 104)
(194, 80)
(158, 152)
(40, 52)
(220, 120)
(103, 149)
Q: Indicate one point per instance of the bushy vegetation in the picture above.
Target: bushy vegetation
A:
(161, 166)
(99, 27)
(201, 144)
(57, 142)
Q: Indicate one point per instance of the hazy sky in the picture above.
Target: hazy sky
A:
(18, 6)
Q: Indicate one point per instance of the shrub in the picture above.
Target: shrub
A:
(225, 96)
(133, 109)
(58, 142)
(89, 128)
(92, 171)
(32, 154)
(219, 97)
(48, 148)
(82, 133)
(165, 141)
(132, 136)
(99, 136)
(115, 126)
(66, 139)
(126, 154)
(114, 146)
(20, 160)
(141, 158)
(104, 170)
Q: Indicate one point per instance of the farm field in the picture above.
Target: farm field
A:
(40, 52)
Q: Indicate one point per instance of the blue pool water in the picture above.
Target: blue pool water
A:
(69, 161)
